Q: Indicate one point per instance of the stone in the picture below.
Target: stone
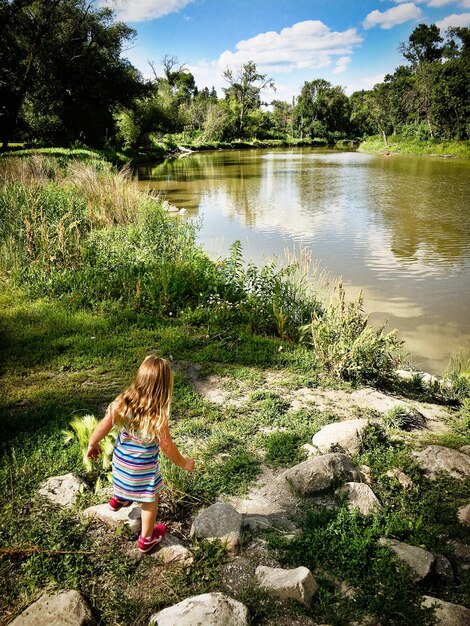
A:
(401, 477)
(446, 613)
(366, 474)
(344, 435)
(465, 450)
(464, 515)
(420, 561)
(208, 609)
(268, 503)
(219, 521)
(443, 569)
(171, 550)
(127, 515)
(461, 554)
(297, 584)
(62, 490)
(360, 496)
(426, 378)
(65, 608)
(321, 473)
(436, 459)
(309, 450)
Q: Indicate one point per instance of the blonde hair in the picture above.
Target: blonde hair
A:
(143, 408)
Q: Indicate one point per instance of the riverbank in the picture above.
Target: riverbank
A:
(403, 145)
(94, 277)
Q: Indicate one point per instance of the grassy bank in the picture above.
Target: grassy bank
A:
(94, 277)
(430, 147)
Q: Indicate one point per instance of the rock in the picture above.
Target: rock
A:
(219, 521)
(366, 474)
(171, 550)
(345, 435)
(448, 614)
(465, 450)
(462, 554)
(65, 608)
(443, 569)
(62, 490)
(360, 496)
(208, 609)
(127, 515)
(321, 473)
(420, 561)
(464, 515)
(402, 478)
(268, 503)
(309, 450)
(436, 459)
(183, 211)
(298, 584)
(427, 379)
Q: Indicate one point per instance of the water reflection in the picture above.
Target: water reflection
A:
(398, 226)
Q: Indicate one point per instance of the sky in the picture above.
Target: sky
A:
(352, 43)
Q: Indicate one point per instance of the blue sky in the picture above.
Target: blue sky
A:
(352, 43)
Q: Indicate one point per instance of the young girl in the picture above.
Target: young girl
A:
(141, 413)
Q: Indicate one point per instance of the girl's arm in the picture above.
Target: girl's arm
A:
(99, 433)
(171, 451)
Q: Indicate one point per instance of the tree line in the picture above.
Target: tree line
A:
(64, 79)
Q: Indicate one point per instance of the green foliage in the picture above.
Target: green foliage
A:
(345, 544)
(403, 418)
(347, 347)
(283, 448)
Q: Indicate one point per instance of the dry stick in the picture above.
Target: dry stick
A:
(28, 549)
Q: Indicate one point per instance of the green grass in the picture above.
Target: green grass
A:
(405, 145)
(94, 277)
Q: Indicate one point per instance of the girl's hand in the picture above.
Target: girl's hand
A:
(189, 465)
(93, 452)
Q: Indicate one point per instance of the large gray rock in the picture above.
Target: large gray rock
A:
(171, 550)
(461, 554)
(360, 496)
(127, 515)
(208, 609)
(448, 614)
(297, 584)
(465, 450)
(62, 490)
(436, 459)
(344, 435)
(320, 473)
(219, 521)
(65, 608)
(464, 515)
(420, 561)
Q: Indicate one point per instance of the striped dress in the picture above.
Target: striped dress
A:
(136, 475)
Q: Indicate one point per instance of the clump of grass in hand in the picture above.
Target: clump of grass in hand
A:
(81, 430)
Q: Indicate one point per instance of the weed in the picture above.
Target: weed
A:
(403, 418)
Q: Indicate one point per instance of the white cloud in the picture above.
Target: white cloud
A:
(462, 19)
(341, 65)
(396, 15)
(305, 45)
(143, 10)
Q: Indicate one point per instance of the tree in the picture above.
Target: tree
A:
(282, 115)
(322, 109)
(423, 45)
(377, 105)
(61, 62)
(244, 91)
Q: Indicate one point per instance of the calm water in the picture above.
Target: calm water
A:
(397, 226)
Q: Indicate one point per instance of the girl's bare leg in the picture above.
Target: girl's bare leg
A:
(149, 515)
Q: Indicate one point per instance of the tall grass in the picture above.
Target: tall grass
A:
(83, 232)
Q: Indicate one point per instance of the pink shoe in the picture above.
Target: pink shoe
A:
(115, 503)
(159, 531)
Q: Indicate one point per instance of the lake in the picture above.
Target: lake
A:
(397, 226)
